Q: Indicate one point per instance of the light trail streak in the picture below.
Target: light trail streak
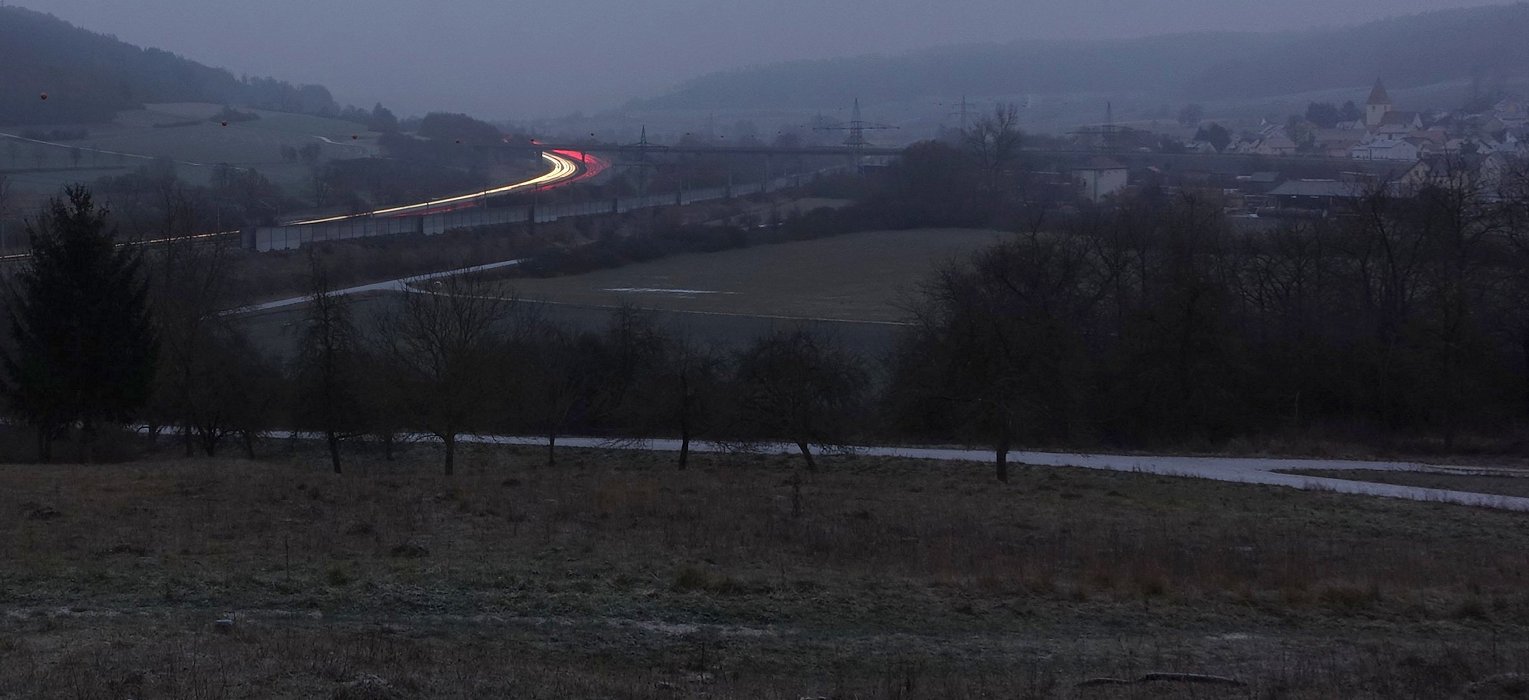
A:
(564, 167)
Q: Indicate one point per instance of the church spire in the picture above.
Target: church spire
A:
(1378, 95)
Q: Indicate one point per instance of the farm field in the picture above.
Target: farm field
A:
(851, 277)
(614, 575)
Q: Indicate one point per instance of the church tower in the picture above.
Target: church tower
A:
(1378, 106)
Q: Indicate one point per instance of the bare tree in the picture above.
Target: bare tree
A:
(659, 382)
(563, 379)
(440, 342)
(694, 374)
(261, 387)
(999, 342)
(1459, 216)
(995, 141)
(382, 403)
(802, 387)
(327, 362)
(191, 287)
(5, 210)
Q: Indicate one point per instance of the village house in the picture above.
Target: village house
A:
(1386, 149)
(1511, 113)
(1102, 177)
(1316, 198)
(1397, 123)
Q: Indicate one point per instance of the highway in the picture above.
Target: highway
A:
(564, 166)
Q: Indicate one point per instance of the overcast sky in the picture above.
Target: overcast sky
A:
(516, 59)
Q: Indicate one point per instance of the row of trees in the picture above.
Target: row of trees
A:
(1158, 324)
(462, 358)
(1153, 323)
(101, 334)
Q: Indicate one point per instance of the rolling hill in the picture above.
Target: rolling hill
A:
(88, 77)
(1485, 44)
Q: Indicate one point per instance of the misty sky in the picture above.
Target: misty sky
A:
(517, 59)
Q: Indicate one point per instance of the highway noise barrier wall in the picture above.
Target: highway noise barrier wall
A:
(268, 238)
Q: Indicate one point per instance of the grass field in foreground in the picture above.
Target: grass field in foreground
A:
(853, 277)
(614, 575)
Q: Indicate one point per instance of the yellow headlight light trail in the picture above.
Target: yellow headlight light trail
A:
(560, 168)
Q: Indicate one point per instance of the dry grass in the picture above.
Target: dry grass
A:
(615, 576)
(1503, 484)
(850, 277)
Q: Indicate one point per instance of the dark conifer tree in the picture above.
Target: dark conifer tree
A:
(84, 350)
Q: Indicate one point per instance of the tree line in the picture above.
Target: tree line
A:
(1155, 323)
(1151, 323)
(102, 334)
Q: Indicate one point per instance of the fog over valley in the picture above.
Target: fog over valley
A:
(522, 59)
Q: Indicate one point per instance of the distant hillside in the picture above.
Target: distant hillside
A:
(1485, 43)
(89, 76)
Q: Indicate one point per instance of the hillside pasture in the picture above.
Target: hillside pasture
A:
(183, 133)
(864, 277)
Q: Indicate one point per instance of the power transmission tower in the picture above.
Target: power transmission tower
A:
(962, 113)
(856, 128)
(640, 161)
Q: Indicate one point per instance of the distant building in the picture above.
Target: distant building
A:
(1336, 144)
(1275, 145)
(1495, 171)
(1101, 178)
(1316, 198)
(1387, 149)
(1378, 106)
(1511, 113)
(1259, 182)
(1398, 123)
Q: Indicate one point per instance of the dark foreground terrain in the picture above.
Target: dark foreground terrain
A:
(613, 575)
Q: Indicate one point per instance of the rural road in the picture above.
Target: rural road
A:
(398, 285)
(1263, 471)
(89, 149)
(1242, 470)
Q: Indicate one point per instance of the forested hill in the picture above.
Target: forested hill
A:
(1485, 42)
(89, 76)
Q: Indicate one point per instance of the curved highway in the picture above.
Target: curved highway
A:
(564, 166)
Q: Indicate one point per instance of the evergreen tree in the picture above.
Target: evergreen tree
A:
(84, 351)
